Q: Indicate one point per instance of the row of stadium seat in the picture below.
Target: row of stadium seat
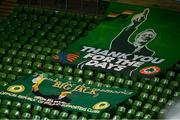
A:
(29, 39)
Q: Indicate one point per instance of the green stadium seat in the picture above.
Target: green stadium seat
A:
(137, 105)
(40, 57)
(27, 71)
(2, 51)
(98, 84)
(28, 10)
(53, 20)
(110, 79)
(68, 70)
(71, 39)
(19, 31)
(30, 36)
(57, 29)
(155, 111)
(4, 112)
(60, 76)
(58, 68)
(78, 79)
(14, 114)
(82, 25)
(22, 54)
(47, 27)
(68, 77)
(46, 50)
(38, 11)
(2, 76)
(105, 116)
(60, 14)
(26, 107)
(152, 99)
(26, 115)
(27, 64)
(45, 111)
(29, 33)
(139, 115)
(73, 23)
(147, 117)
(23, 16)
(88, 74)
(37, 64)
(64, 22)
(34, 41)
(157, 90)
(51, 36)
(100, 76)
(128, 83)
(147, 107)
(162, 102)
(131, 113)
(36, 25)
(55, 51)
(61, 37)
(89, 82)
(26, 24)
(40, 34)
(53, 114)
(37, 49)
(6, 103)
(43, 19)
(71, 116)
(7, 60)
(48, 13)
(143, 96)
(36, 109)
(23, 39)
(16, 105)
(16, 46)
(43, 42)
(48, 67)
(36, 117)
(6, 44)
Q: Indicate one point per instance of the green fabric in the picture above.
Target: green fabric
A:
(80, 98)
(164, 45)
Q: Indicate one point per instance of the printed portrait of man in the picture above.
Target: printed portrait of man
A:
(121, 42)
(62, 96)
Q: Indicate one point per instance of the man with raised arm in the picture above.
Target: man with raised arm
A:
(121, 42)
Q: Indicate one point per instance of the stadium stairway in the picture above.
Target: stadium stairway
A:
(6, 6)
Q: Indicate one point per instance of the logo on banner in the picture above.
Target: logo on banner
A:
(16, 88)
(66, 58)
(150, 70)
(101, 105)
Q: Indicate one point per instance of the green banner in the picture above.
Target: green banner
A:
(131, 40)
(41, 88)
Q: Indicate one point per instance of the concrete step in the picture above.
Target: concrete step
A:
(11, 0)
(4, 14)
(9, 4)
(6, 7)
(1, 18)
(5, 11)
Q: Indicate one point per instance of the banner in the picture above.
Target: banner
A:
(41, 88)
(131, 40)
